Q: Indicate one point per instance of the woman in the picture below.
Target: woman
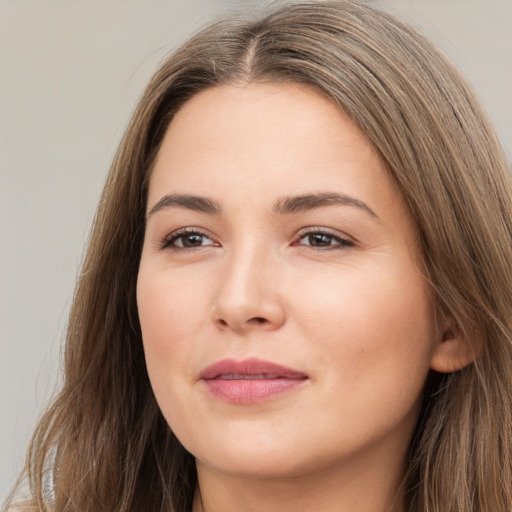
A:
(298, 290)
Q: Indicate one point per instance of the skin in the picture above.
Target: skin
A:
(350, 308)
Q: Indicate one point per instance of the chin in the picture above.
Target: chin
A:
(258, 457)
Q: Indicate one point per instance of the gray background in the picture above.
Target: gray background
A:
(70, 74)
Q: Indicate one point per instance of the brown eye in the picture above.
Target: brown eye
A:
(321, 239)
(191, 240)
(184, 239)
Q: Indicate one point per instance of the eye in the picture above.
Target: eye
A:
(320, 238)
(186, 239)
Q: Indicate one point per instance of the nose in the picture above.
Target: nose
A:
(249, 296)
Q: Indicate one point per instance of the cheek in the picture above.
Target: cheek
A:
(376, 326)
(169, 308)
(171, 313)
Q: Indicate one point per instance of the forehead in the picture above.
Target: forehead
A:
(260, 141)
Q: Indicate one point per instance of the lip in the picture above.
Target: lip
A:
(250, 381)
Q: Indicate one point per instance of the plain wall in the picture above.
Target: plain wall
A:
(70, 74)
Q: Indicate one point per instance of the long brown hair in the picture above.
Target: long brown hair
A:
(104, 445)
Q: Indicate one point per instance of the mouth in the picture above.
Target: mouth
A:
(250, 381)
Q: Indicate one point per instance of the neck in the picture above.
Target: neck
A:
(352, 487)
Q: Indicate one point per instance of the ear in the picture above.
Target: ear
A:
(452, 352)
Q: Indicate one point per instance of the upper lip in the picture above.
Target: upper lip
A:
(248, 367)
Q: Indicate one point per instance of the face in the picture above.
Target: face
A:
(279, 294)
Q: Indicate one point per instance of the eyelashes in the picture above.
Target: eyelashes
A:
(186, 239)
(314, 238)
(322, 238)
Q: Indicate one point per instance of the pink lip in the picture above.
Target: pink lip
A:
(250, 381)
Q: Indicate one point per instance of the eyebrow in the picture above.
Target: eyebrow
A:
(296, 204)
(189, 202)
(283, 206)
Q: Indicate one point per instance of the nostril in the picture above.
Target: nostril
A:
(258, 320)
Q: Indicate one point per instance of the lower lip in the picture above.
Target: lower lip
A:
(251, 391)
